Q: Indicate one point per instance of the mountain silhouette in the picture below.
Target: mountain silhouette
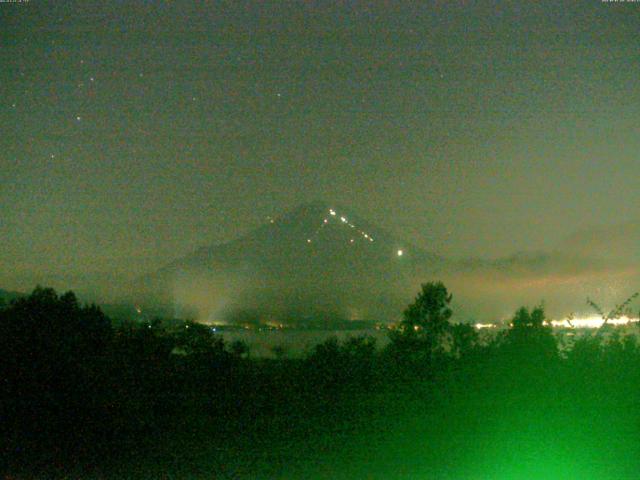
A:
(319, 260)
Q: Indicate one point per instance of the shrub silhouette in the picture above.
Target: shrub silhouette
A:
(529, 340)
(196, 339)
(334, 364)
(239, 348)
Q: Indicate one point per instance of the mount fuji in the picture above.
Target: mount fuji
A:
(318, 260)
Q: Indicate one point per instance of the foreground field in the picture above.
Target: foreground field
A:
(81, 400)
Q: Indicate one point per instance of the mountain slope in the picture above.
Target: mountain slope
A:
(317, 259)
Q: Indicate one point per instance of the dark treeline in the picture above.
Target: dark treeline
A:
(82, 398)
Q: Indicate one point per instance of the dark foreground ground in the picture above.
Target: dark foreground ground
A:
(553, 422)
(91, 402)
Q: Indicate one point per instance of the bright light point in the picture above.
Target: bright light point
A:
(308, 240)
(332, 212)
(326, 221)
(78, 118)
(92, 79)
(480, 326)
(351, 241)
(344, 220)
(400, 253)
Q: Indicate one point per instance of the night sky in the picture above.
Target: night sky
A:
(132, 134)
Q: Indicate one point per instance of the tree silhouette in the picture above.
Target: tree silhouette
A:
(50, 328)
(464, 339)
(425, 328)
(52, 355)
(530, 339)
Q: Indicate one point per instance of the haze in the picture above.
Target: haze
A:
(133, 135)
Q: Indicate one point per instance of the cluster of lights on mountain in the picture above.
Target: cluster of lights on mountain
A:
(333, 214)
(343, 219)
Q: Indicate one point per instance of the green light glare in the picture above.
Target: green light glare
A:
(548, 443)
